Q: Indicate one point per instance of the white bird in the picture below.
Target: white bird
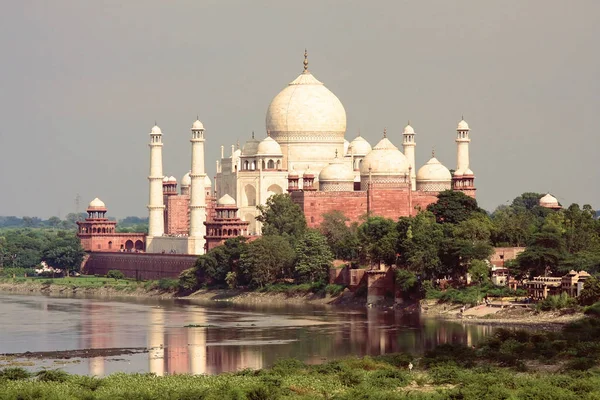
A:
(410, 366)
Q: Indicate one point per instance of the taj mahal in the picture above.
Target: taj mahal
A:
(304, 151)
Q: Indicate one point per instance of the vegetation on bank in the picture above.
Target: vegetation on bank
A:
(508, 365)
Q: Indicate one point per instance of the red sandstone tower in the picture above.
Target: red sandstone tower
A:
(226, 223)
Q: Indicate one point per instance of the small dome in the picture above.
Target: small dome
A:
(165, 179)
(172, 179)
(207, 181)
(186, 180)
(226, 200)
(462, 126)
(337, 171)
(408, 130)
(433, 170)
(468, 172)
(269, 147)
(360, 146)
(197, 125)
(250, 147)
(308, 173)
(156, 130)
(384, 159)
(97, 204)
(346, 145)
(293, 174)
(549, 201)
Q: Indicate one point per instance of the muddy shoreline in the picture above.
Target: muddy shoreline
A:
(503, 316)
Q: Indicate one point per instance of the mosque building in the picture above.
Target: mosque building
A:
(303, 152)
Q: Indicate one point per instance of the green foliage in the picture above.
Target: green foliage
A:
(334, 290)
(267, 259)
(14, 373)
(378, 237)
(52, 375)
(557, 302)
(167, 284)
(231, 279)
(313, 257)
(281, 216)
(419, 241)
(341, 235)
(17, 272)
(407, 282)
(115, 274)
(188, 281)
(591, 292)
(479, 271)
(453, 207)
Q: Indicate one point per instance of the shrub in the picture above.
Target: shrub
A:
(350, 377)
(334, 290)
(168, 284)
(559, 302)
(115, 274)
(188, 282)
(231, 279)
(14, 373)
(52, 375)
(593, 310)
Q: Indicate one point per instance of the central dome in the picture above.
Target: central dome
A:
(305, 105)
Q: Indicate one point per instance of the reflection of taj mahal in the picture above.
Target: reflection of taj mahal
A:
(305, 153)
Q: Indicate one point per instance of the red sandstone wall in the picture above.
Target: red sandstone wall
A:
(112, 242)
(141, 266)
(385, 202)
(178, 220)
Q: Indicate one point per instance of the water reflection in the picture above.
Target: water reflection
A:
(184, 337)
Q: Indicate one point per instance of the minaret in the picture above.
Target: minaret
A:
(462, 143)
(156, 207)
(463, 178)
(408, 148)
(197, 196)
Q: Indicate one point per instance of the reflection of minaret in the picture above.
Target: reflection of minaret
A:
(197, 343)
(156, 332)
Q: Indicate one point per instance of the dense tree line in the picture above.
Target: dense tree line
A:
(449, 238)
(25, 248)
(127, 224)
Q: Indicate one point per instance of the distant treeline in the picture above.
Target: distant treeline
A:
(127, 224)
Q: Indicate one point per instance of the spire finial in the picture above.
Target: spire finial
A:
(409, 122)
(358, 132)
(238, 143)
(336, 153)
(197, 117)
(268, 133)
(252, 134)
(433, 152)
(384, 132)
(305, 61)
(155, 124)
(462, 117)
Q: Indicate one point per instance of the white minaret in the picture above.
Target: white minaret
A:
(462, 151)
(156, 207)
(408, 147)
(197, 196)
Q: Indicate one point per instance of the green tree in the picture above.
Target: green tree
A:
(227, 258)
(590, 293)
(419, 240)
(378, 238)
(544, 255)
(281, 216)
(206, 269)
(64, 251)
(479, 271)
(341, 235)
(313, 257)
(453, 207)
(267, 259)
(512, 226)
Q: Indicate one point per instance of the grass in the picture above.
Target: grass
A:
(86, 281)
(470, 294)
(303, 288)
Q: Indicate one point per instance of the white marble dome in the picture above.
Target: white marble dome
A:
(269, 147)
(207, 181)
(250, 147)
(226, 200)
(433, 171)
(385, 160)
(549, 201)
(165, 179)
(97, 204)
(337, 171)
(186, 180)
(409, 130)
(462, 126)
(197, 125)
(305, 105)
(360, 146)
(172, 179)
(346, 146)
(156, 130)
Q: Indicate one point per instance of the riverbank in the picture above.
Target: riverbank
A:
(499, 314)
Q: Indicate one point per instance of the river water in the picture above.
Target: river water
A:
(183, 336)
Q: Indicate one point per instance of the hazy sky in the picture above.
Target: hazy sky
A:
(82, 83)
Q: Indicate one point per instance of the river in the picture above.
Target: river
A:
(183, 336)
